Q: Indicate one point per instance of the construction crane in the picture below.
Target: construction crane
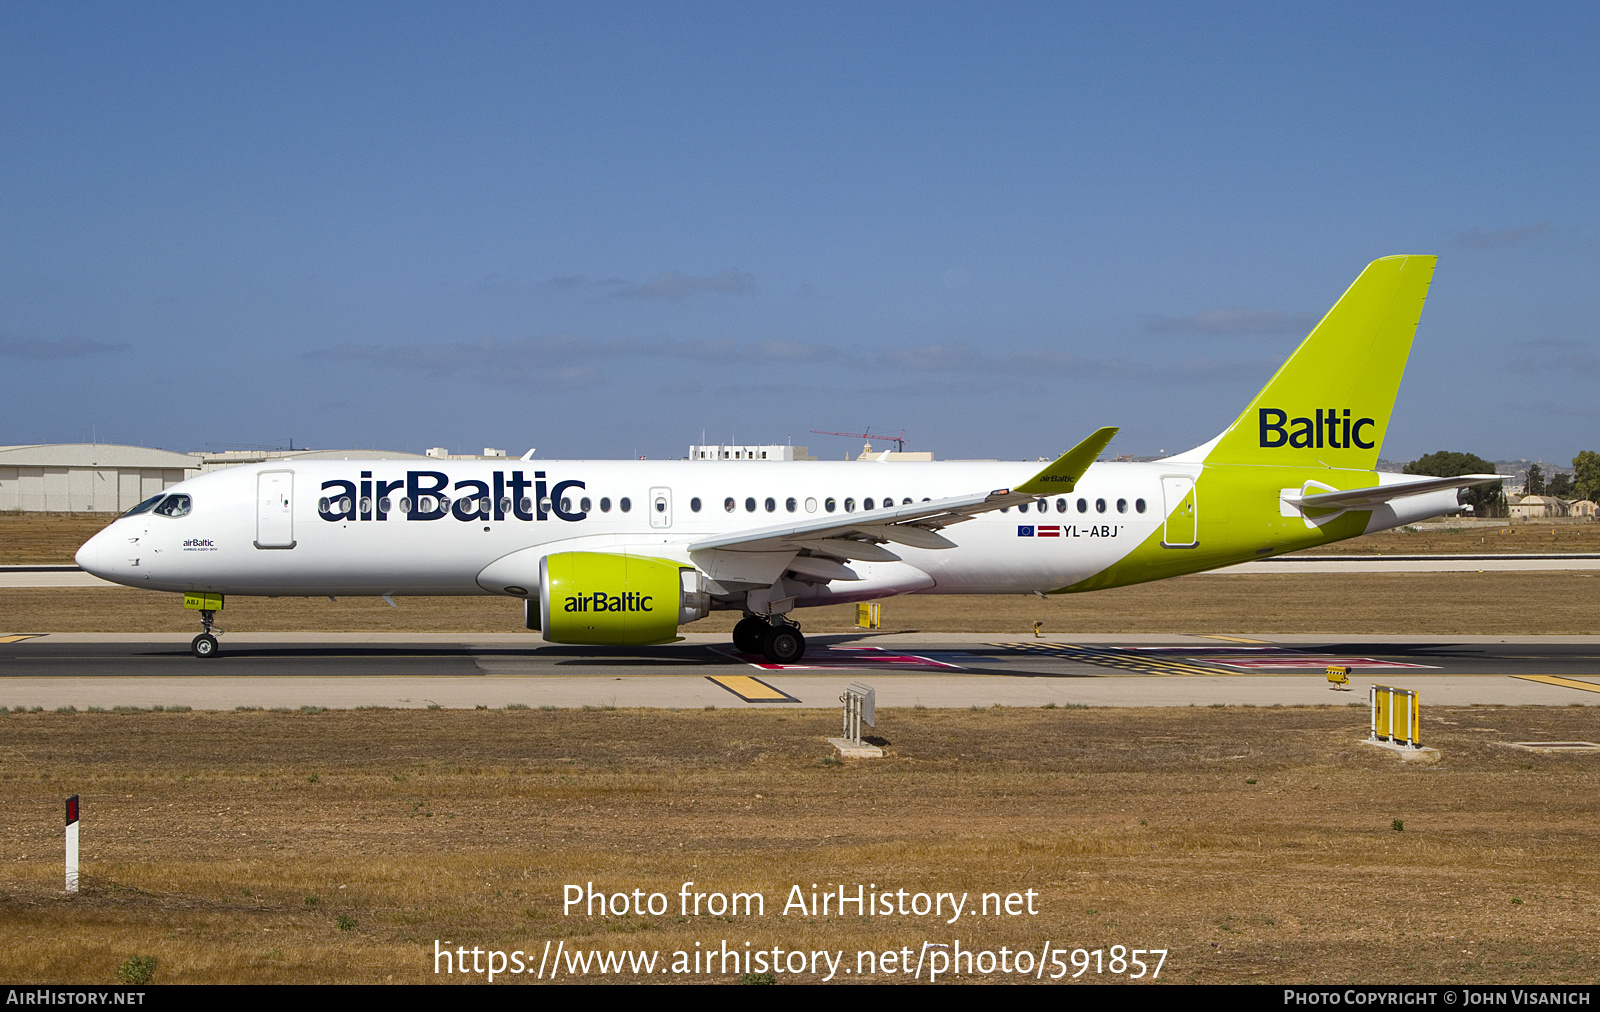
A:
(899, 441)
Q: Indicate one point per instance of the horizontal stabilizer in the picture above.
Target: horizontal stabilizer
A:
(1359, 498)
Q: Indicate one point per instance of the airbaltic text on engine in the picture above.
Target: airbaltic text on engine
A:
(599, 601)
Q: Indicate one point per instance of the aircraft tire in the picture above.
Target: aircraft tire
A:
(783, 644)
(204, 646)
(749, 634)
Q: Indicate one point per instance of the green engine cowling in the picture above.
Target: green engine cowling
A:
(599, 598)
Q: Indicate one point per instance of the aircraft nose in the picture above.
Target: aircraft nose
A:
(88, 557)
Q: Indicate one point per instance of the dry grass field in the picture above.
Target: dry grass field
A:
(1255, 845)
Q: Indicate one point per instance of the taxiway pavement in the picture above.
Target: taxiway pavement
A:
(928, 669)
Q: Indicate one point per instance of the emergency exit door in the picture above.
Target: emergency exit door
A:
(661, 508)
(1182, 527)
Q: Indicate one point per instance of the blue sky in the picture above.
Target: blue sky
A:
(600, 229)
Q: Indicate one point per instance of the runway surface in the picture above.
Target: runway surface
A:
(928, 669)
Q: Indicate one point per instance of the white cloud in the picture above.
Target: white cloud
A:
(673, 286)
(71, 347)
(1477, 238)
(1233, 320)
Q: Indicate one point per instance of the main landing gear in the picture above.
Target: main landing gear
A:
(778, 640)
(205, 644)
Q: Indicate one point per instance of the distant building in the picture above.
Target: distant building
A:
(87, 477)
(1583, 508)
(108, 478)
(1532, 507)
(747, 452)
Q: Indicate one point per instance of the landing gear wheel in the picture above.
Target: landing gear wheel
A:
(204, 645)
(783, 644)
(748, 634)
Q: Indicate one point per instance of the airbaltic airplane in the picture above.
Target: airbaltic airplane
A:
(624, 552)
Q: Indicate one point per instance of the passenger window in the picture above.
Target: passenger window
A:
(849, 505)
(624, 504)
(1061, 505)
(829, 505)
(694, 505)
(1099, 505)
(566, 505)
(907, 502)
(1022, 507)
(366, 504)
(749, 504)
(584, 504)
(1083, 505)
(729, 505)
(811, 505)
(525, 502)
(789, 504)
(661, 505)
(605, 504)
(384, 505)
(1138, 504)
(405, 504)
(505, 504)
(866, 504)
(771, 504)
(1122, 505)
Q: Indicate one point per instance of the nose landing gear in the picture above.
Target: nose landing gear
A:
(777, 639)
(205, 644)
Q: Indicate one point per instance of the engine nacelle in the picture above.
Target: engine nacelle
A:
(599, 598)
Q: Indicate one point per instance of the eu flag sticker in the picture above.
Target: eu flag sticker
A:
(1025, 531)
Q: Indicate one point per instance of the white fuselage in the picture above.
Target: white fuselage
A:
(231, 542)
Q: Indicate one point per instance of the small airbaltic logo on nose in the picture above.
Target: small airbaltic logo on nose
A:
(1328, 428)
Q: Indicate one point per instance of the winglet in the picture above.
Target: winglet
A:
(1063, 475)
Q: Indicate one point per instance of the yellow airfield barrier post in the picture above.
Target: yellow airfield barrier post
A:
(1396, 717)
(869, 615)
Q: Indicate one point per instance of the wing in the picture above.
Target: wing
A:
(859, 536)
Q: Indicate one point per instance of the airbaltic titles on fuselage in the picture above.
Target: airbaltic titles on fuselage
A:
(468, 500)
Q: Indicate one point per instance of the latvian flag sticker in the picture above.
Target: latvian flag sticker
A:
(1050, 532)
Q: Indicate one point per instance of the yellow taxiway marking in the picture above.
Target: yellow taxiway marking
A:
(1565, 683)
(751, 690)
(18, 638)
(1231, 639)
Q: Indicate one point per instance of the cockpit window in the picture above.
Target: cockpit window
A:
(174, 506)
(145, 506)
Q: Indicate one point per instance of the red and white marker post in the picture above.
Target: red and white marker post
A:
(72, 844)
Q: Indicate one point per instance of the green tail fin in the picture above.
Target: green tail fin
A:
(1329, 405)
